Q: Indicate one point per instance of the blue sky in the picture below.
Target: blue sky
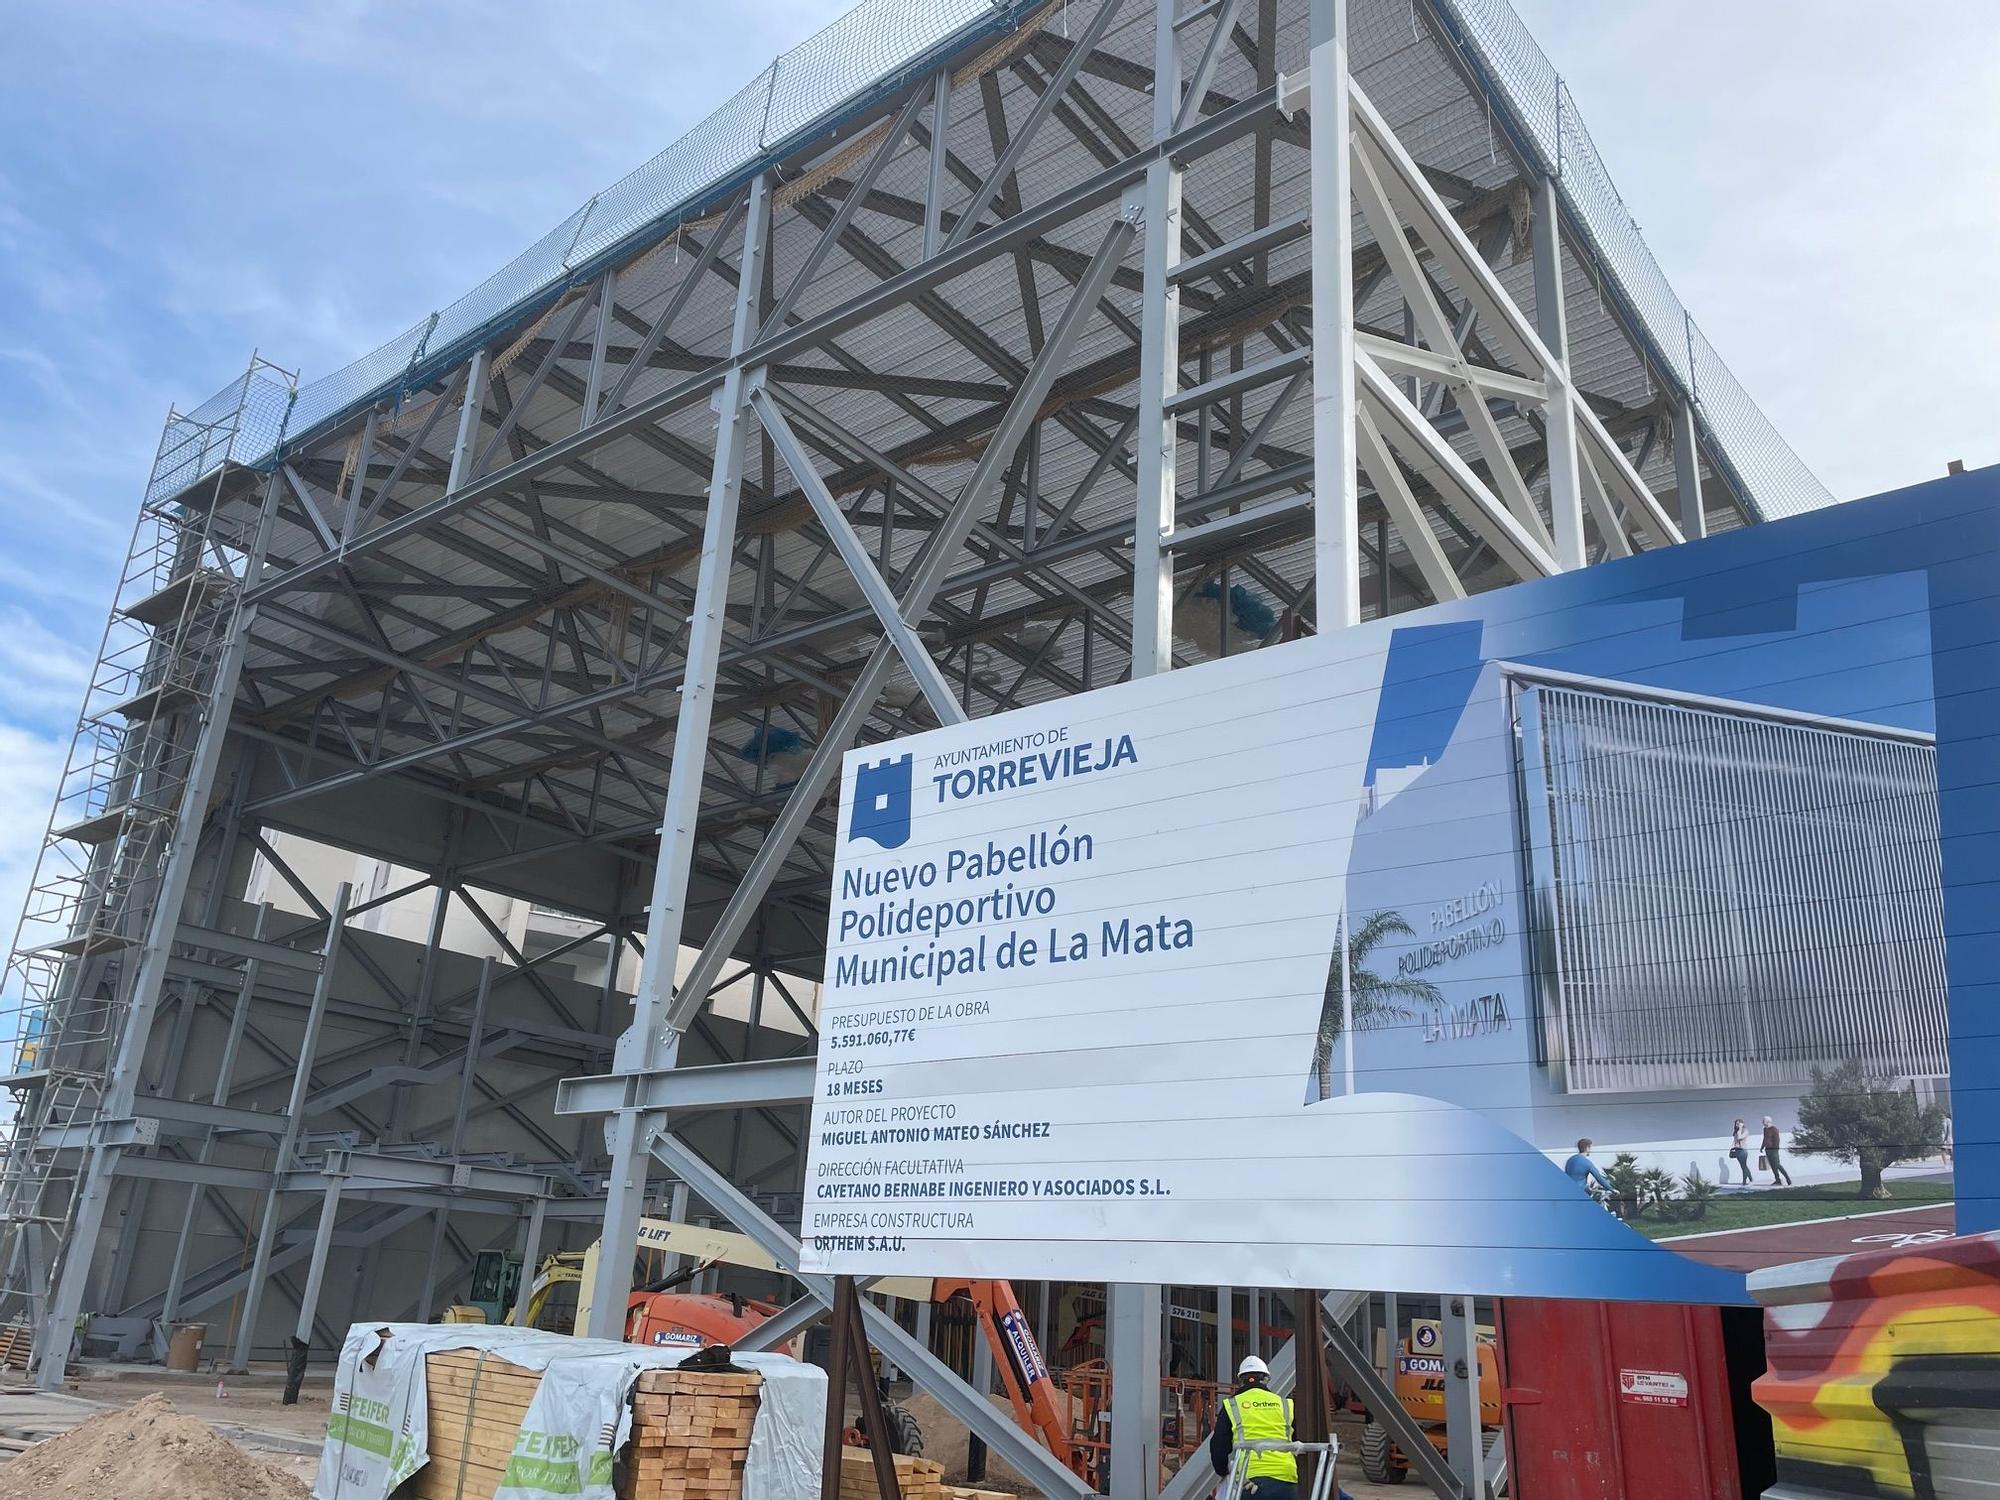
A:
(182, 184)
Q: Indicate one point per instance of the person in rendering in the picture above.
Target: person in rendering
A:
(1739, 1149)
(1770, 1146)
(1583, 1171)
(1256, 1413)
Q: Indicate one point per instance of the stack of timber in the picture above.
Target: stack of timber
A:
(690, 1432)
(966, 1492)
(916, 1478)
(476, 1405)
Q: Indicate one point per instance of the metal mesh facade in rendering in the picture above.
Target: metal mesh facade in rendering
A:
(1726, 895)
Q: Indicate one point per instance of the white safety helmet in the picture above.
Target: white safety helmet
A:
(1252, 1365)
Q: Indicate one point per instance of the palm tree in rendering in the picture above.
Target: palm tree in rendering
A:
(1377, 1000)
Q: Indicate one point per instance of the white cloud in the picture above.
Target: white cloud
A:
(1818, 182)
(30, 765)
(42, 674)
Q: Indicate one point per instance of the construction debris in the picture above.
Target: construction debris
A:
(147, 1449)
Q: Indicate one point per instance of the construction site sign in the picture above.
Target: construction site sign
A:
(1481, 948)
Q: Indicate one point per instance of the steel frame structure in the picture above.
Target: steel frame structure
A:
(1113, 338)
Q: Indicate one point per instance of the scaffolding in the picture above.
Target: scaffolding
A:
(119, 824)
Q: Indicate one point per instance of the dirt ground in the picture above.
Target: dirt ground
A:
(253, 1401)
(147, 1448)
(253, 1406)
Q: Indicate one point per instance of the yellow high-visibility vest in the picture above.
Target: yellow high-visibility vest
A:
(1257, 1415)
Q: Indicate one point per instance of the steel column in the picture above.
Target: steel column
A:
(1132, 1310)
(329, 1213)
(1132, 1343)
(1159, 372)
(463, 444)
(1687, 473)
(1195, 1478)
(427, 1294)
(1336, 496)
(1552, 323)
(646, 1043)
(531, 1251)
(1463, 1438)
(295, 1112)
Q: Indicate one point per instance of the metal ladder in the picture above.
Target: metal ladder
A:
(115, 821)
(1242, 1453)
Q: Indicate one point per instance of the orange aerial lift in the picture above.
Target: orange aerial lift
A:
(1023, 1371)
(661, 1315)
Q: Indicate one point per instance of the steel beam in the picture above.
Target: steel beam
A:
(940, 132)
(1400, 501)
(600, 343)
(371, 1171)
(1209, 134)
(854, 552)
(892, 139)
(1020, 137)
(926, 577)
(771, 1081)
(1431, 455)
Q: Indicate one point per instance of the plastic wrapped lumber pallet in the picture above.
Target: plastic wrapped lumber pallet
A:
(690, 1432)
(690, 1435)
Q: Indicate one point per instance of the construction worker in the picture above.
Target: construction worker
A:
(1256, 1413)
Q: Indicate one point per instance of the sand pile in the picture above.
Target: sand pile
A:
(148, 1449)
(944, 1441)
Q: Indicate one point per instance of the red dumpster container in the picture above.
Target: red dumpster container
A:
(1631, 1401)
